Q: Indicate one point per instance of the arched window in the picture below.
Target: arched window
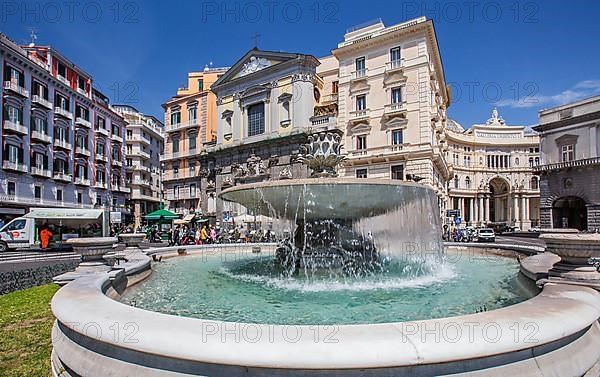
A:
(456, 181)
(468, 182)
(534, 184)
(530, 162)
(516, 161)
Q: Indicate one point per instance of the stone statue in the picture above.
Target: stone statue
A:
(227, 182)
(322, 153)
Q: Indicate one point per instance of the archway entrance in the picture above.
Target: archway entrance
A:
(499, 200)
(569, 212)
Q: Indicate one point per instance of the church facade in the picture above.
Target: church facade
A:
(265, 107)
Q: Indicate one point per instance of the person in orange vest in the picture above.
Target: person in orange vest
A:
(45, 236)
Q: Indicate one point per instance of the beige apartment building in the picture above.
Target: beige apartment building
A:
(144, 140)
(493, 181)
(190, 126)
(388, 86)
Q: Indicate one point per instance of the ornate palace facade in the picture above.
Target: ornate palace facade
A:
(493, 180)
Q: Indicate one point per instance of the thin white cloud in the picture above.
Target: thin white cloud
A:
(582, 89)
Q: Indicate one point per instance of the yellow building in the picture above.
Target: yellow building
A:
(190, 125)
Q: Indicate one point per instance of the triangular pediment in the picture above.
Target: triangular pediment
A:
(359, 128)
(252, 62)
(567, 139)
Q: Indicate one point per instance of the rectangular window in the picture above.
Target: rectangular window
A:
(361, 173)
(15, 115)
(193, 190)
(360, 65)
(396, 95)
(81, 83)
(37, 192)
(59, 195)
(192, 114)
(395, 57)
(335, 87)
(100, 123)
(398, 172)
(176, 191)
(79, 197)
(200, 84)
(361, 103)
(14, 154)
(192, 141)
(361, 142)
(62, 70)
(175, 118)
(397, 137)
(568, 152)
(175, 145)
(256, 119)
(11, 188)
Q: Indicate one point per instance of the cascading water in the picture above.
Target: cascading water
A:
(349, 226)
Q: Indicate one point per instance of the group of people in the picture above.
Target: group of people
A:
(186, 235)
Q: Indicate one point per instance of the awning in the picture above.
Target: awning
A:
(188, 218)
(161, 214)
(64, 214)
(247, 218)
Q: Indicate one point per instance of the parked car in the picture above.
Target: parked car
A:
(486, 235)
(534, 229)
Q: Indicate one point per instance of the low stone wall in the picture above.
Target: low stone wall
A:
(189, 346)
(11, 281)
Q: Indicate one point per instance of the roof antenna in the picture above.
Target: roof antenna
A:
(33, 37)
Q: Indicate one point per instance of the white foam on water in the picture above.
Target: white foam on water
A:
(442, 272)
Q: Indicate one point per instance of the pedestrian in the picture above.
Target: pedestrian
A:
(176, 236)
(45, 236)
(213, 234)
(204, 235)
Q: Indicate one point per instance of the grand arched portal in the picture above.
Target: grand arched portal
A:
(569, 212)
(499, 189)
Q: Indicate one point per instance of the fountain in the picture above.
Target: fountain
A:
(332, 222)
(359, 285)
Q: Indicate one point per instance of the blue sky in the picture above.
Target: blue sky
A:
(521, 56)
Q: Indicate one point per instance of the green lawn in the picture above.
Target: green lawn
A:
(25, 325)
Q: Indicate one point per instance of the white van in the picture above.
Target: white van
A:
(24, 232)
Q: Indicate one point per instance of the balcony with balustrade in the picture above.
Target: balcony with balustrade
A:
(360, 74)
(62, 176)
(396, 108)
(14, 126)
(138, 138)
(182, 195)
(40, 172)
(41, 137)
(117, 162)
(183, 173)
(180, 126)
(545, 168)
(16, 166)
(14, 87)
(324, 121)
(79, 121)
(63, 113)
(63, 144)
(63, 80)
(394, 65)
(357, 115)
(83, 151)
(82, 181)
(101, 185)
(102, 131)
(101, 157)
(39, 100)
(140, 182)
(117, 138)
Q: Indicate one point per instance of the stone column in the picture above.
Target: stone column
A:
(526, 214)
(523, 212)
(480, 210)
(461, 207)
(486, 209)
(471, 212)
(515, 209)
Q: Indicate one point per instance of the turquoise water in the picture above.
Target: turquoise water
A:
(250, 288)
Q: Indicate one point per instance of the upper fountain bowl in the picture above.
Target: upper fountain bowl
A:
(326, 198)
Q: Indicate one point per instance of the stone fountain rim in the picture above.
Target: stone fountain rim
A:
(324, 181)
(84, 301)
(97, 241)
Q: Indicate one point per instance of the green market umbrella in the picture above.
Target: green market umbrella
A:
(161, 214)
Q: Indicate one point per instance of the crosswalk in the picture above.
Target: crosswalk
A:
(36, 256)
